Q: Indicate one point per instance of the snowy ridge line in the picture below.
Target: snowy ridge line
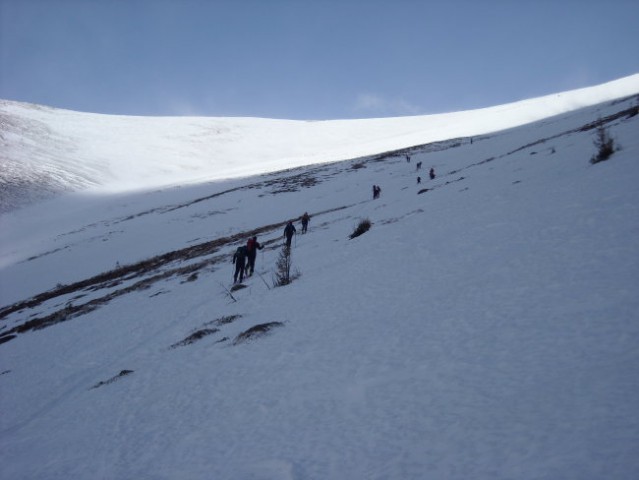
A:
(48, 152)
(117, 276)
(625, 114)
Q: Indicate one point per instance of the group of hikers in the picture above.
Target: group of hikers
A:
(431, 173)
(244, 259)
(377, 190)
(245, 255)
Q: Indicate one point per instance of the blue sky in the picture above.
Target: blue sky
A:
(323, 59)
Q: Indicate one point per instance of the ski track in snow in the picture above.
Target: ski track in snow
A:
(485, 328)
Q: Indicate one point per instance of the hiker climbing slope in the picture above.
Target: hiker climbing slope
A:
(252, 246)
(239, 259)
(289, 231)
(305, 219)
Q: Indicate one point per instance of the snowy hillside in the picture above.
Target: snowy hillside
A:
(485, 327)
(47, 151)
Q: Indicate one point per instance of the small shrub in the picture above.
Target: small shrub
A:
(363, 227)
(604, 144)
(283, 273)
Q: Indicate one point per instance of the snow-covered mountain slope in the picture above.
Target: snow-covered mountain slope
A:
(47, 151)
(485, 327)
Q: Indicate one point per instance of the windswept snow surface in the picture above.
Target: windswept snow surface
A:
(47, 151)
(486, 328)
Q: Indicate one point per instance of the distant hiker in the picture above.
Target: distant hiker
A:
(419, 179)
(432, 174)
(408, 158)
(252, 246)
(419, 165)
(289, 231)
(376, 191)
(239, 259)
(305, 219)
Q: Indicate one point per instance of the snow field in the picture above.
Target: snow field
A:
(483, 329)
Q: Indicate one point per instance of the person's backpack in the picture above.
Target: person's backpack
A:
(289, 229)
(250, 245)
(240, 254)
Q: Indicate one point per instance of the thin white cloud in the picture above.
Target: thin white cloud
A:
(373, 104)
(182, 107)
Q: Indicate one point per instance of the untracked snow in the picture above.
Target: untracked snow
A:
(46, 151)
(485, 327)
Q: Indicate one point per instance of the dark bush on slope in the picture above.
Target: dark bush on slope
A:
(363, 227)
(283, 274)
(604, 144)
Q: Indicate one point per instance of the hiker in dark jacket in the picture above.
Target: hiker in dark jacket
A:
(252, 246)
(239, 259)
(305, 219)
(432, 174)
(289, 231)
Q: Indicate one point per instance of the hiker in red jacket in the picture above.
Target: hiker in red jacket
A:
(252, 246)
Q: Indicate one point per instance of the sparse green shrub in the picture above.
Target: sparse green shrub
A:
(363, 227)
(605, 146)
(283, 275)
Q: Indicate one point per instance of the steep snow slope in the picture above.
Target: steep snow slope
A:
(46, 151)
(484, 328)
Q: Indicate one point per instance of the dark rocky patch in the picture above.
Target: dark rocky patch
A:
(122, 373)
(195, 336)
(224, 320)
(256, 332)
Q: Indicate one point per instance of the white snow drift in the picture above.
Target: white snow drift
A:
(485, 328)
